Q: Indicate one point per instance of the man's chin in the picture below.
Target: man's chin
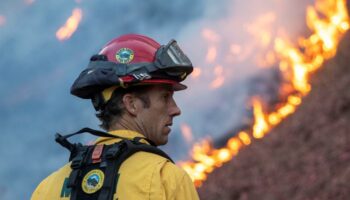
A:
(164, 141)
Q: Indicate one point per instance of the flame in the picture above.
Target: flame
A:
(187, 132)
(2, 20)
(260, 126)
(71, 25)
(319, 46)
(327, 20)
(220, 79)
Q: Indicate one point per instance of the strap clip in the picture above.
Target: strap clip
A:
(78, 160)
(115, 150)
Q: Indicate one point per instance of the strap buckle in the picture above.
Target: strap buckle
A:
(115, 150)
(78, 160)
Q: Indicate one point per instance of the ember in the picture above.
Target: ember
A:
(187, 133)
(66, 31)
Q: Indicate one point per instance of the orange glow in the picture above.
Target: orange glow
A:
(2, 20)
(220, 79)
(217, 83)
(187, 132)
(235, 49)
(196, 72)
(71, 25)
(266, 60)
(210, 35)
(327, 21)
(211, 54)
(261, 27)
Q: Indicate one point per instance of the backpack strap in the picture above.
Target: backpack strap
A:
(112, 160)
(113, 163)
(78, 162)
(127, 149)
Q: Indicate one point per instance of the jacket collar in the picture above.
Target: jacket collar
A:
(129, 134)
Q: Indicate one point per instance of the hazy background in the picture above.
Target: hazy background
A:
(37, 70)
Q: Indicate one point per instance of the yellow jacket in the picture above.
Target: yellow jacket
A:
(155, 178)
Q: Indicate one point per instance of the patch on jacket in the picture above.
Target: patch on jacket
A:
(93, 181)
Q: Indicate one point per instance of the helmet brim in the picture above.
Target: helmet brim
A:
(176, 85)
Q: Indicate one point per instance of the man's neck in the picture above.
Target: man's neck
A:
(127, 123)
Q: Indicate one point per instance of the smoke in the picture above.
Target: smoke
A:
(37, 70)
(234, 50)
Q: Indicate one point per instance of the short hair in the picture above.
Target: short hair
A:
(111, 112)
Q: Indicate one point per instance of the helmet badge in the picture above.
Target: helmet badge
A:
(124, 55)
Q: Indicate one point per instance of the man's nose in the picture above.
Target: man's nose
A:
(174, 109)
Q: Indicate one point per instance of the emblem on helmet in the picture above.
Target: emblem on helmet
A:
(124, 55)
(92, 181)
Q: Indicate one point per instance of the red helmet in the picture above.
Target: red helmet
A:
(133, 59)
(143, 48)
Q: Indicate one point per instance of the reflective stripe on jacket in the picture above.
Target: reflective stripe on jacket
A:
(142, 176)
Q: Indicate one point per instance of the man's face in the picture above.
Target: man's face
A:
(155, 120)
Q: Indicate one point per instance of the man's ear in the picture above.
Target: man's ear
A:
(131, 104)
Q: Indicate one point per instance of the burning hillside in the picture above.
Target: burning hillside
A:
(327, 22)
(307, 156)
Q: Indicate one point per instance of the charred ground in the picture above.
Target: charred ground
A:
(307, 156)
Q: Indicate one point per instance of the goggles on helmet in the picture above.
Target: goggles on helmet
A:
(172, 60)
(170, 64)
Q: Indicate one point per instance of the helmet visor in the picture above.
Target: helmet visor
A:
(171, 59)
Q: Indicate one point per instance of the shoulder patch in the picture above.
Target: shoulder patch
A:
(92, 181)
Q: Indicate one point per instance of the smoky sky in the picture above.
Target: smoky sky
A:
(37, 71)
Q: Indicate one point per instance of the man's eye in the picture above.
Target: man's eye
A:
(166, 96)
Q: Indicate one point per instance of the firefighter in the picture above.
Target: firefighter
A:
(130, 82)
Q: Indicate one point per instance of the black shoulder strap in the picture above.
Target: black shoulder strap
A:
(131, 147)
(59, 137)
(134, 147)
